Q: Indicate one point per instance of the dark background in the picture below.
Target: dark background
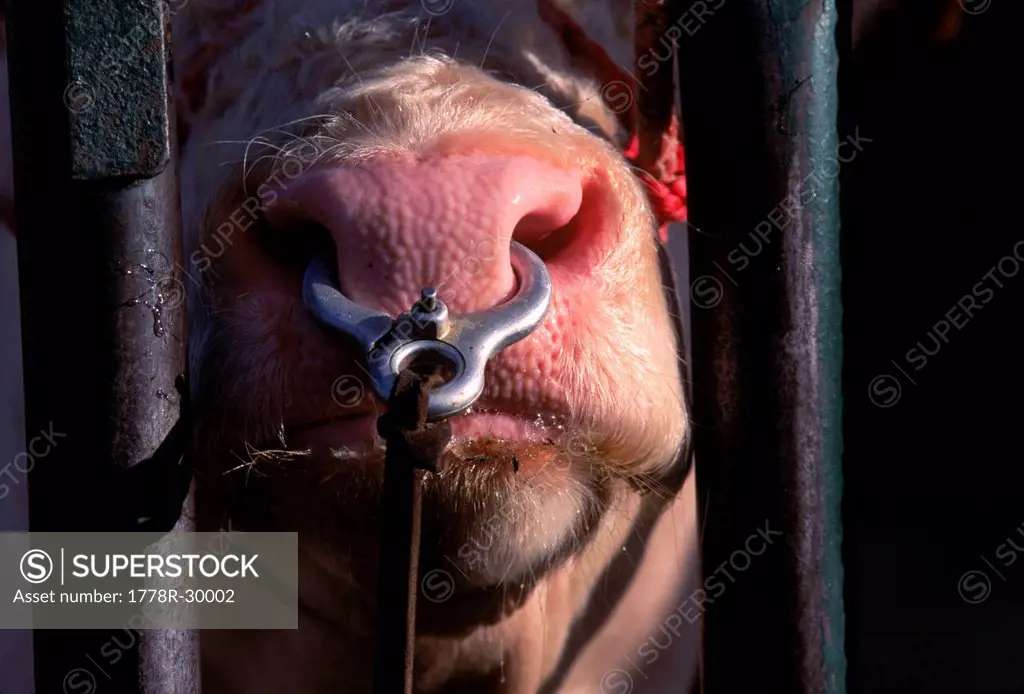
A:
(931, 483)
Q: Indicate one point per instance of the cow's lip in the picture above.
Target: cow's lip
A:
(356, 430)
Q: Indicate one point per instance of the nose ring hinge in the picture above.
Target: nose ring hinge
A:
(427, 333)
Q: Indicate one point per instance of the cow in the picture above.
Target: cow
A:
(410, 143)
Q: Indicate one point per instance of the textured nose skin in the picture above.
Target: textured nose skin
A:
(445, 222)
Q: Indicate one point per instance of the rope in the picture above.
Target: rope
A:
(654, 146)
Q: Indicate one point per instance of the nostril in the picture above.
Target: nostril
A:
(547, 244)
(554, 211)
(552, 236)
(293, 244)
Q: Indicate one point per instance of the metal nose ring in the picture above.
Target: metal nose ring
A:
(426, 332)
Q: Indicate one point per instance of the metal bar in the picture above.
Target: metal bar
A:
(414, 447)
(758, 86)
(397, 582)
(101, 297)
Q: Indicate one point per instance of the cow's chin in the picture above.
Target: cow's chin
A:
(516, 499)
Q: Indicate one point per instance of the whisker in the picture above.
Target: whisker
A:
(491, 40)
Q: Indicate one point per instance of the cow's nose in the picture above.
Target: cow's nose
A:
(447, 222)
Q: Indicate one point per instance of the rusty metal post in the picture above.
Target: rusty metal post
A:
(102, 312)
(414, 447)
(759, 98)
